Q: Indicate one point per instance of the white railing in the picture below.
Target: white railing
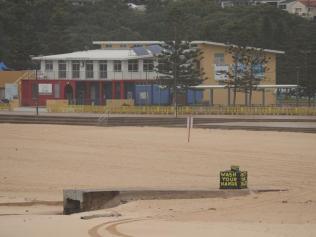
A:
(96, 75)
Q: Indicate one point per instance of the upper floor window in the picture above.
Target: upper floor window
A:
(103, 68)
(117, 66)
(48, 65)
(75, 68)
(62, 69)
(219, 59)
(133, 65)
(148, 65)
(89, 69)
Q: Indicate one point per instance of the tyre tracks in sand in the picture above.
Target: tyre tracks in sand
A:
(111, 227)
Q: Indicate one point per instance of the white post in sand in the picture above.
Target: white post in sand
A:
(189, 126)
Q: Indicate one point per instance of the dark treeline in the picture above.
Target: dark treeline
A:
(35, 27)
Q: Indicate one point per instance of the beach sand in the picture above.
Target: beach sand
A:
(38, 161)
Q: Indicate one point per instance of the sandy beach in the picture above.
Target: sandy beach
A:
(38, 161)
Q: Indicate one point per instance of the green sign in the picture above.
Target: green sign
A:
(233, 179)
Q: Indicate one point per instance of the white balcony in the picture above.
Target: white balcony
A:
(96, 75)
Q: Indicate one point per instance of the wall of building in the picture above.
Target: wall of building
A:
(220, 96)
(111, 74)
(29, 96)
(298, 8)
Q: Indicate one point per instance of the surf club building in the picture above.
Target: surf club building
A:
(124, 70)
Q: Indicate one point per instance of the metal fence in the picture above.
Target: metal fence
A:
(188, 110)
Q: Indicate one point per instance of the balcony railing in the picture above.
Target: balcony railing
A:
(96, 75)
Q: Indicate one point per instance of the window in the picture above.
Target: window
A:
(282, 6)
(62, 69)
(34, 91)
(103, 67)
(75, 69)
(219, 59)
(118, 91)
(48, 65)
(89, 69)
(133, 65)
(298, 10)
(108, 46)
(117, 66)
(57, 91)
(148, 65)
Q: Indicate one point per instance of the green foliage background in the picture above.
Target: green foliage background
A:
(42, 27)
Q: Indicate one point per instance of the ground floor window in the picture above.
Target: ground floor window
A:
(34, 91)
(57, 91)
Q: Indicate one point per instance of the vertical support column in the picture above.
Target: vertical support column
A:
(101, 96)
(296, 96)
(263, 96)
(228, 96)
(113, 89)
(74, 91)
(211, 101)
(122, 90)
(88, 96)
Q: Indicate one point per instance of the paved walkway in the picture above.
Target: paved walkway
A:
(43, 112)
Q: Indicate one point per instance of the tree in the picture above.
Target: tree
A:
(249, 65)
(178, 67)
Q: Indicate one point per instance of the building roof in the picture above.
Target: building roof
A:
(287, 1)
(225, 45)
(161, 42)
(122, 53)
(127, 42)
(97, 54)
(308, 3)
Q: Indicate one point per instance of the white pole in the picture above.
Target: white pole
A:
(189, 126)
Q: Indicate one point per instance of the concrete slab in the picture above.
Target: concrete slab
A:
(86, 200)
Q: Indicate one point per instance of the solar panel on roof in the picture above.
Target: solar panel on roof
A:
(140, 51)
(155, 49)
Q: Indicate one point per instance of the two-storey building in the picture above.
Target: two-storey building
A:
(92, 76)
(125, 70)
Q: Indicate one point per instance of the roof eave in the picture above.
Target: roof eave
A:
(226, 45)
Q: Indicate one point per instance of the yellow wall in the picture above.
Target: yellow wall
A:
(221, 95)
(118, 46)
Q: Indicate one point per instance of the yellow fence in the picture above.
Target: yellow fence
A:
(185, 110)
(4, 106)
